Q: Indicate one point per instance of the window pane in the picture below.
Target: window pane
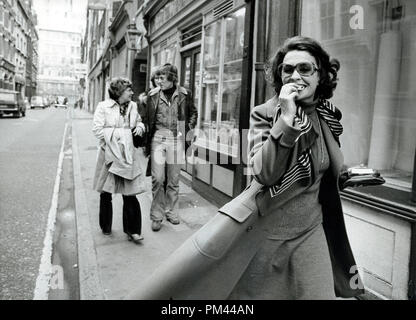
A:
(210, 80)
(376, 85)
(231, 80)
(196, 79)
(187, 77)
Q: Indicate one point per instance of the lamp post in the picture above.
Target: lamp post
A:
(133, 37)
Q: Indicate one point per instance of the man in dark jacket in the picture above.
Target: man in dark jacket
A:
(169, 115)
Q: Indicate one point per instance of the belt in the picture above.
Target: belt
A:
(117, 127)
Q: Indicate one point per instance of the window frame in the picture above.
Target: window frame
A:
(390, 199)
(230, 151)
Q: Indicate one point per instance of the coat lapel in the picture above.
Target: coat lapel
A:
(334, 151)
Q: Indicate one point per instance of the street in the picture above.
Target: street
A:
(309, 103)
(29, 150)
(40, 224)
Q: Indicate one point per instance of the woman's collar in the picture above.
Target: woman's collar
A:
(308, 108)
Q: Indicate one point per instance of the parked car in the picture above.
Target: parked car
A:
(37, 102)
(11, 102)
(61, 102)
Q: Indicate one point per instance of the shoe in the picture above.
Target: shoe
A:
(172, 220)
(136, 238)
(156, 225)
(107, 233)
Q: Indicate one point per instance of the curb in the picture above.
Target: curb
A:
(89, 281)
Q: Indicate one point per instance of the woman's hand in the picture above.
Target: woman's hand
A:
(288, 94)
(138, 131)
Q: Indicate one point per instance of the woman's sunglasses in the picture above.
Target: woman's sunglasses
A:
(305, 69)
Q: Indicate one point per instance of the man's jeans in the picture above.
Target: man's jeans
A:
(165, 153)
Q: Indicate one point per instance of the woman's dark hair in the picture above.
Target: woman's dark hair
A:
(118, 86)
(328, 68)
(170, 71)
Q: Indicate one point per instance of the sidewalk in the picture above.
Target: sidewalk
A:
(110, 267)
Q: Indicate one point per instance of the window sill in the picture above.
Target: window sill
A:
(391, 201)
(217, 147)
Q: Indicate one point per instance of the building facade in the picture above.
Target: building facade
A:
(114, 46)
(61, 27)
(60, 64)
(209, 42)
(17, 25)
(222, 48)
(7, 45)
(32, 62)
(21, 32)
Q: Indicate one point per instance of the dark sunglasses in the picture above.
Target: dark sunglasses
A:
(305, 69)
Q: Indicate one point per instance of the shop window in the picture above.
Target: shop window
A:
(210, 81)
(221, 84)
(2, 46)
(6, 19)
(191, 34)
(164, 55)
(376, 83)
(170, 9)
(345, 14)
(327, 19)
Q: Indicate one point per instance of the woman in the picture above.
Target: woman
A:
(118, 167)
(294, 152)
(284, 237)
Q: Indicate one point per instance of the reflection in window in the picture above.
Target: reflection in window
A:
(187, 76)
(221, 86)
(231, 80)
(346, 17)
(197, 79)
(210, 81)
(327, 19)
(376, 88)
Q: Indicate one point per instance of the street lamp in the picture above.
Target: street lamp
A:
(133, 37)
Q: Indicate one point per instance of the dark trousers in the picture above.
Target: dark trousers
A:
(132, 216)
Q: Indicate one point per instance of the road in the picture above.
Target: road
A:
(29, 151)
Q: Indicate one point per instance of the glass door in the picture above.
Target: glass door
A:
(190, 80)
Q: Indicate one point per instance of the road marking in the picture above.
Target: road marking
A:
(45, 269)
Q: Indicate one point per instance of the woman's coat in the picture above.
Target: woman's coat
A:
(269, 162)
(119, 166)
(210, 263)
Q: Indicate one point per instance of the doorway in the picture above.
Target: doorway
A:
(190, 78)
